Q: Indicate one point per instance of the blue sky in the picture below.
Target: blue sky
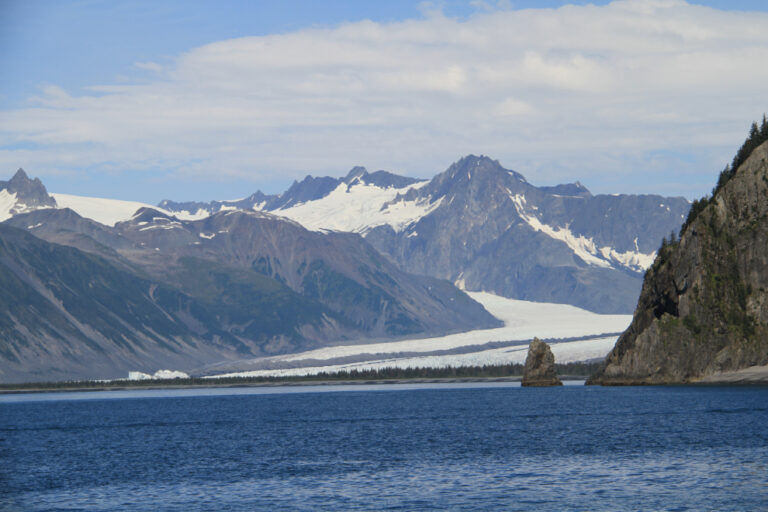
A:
(61, 58)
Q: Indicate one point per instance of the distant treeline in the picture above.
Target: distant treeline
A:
(448, 372)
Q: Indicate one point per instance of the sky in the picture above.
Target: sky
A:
(200, 100)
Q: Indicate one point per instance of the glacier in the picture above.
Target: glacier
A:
(523, 320)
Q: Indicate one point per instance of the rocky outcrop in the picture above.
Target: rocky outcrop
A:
(703, 309)
(539, 368)
(29, 191)
(21, 194)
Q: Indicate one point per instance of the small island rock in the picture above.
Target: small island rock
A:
(540, 366)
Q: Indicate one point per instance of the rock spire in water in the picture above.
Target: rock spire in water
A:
(540, 366)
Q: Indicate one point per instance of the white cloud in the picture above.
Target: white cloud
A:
(149, 66)
(558, 94)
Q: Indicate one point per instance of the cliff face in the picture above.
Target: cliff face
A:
(703, 308)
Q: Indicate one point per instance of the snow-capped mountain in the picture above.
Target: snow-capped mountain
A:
(352, 203)
(493, 231)
(486, 228)
(478, 225)
(21, 194)
(331, 259)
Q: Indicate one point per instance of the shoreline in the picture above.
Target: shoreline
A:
(756, 376)
(326, 382)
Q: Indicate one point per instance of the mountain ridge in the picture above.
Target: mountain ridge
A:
(482, 227)
(559, 243)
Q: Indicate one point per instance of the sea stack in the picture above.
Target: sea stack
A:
(540, 366)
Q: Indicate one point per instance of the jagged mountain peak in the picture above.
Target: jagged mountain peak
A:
(20, 175)
(22, 194)
(258, 197)
(20, 182)
(472, 159)
(356, 172)
(479, 166)
(380, 178)
(476, 175)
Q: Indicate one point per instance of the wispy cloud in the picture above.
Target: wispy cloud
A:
(603, 93)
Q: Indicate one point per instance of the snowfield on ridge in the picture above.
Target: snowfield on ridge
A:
(359, 207)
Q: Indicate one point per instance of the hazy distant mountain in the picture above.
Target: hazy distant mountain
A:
(477, 224)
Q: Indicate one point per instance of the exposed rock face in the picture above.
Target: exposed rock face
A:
(25, 195)
(494, 231)
(540, 366)
(703, 309)
(31, 191)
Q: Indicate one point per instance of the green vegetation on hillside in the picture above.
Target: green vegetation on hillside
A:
(757, 135)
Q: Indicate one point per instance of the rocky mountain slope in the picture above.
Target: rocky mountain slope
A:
(485, 227)
(237, 284)
(703, 309)
(67, 314)
(339, 270)
(494, 231)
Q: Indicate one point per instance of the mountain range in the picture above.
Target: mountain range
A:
(485, 228)
(96, 287)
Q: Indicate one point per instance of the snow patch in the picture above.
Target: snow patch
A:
(187, 215)
(584, 247)
(7, 202)
(10, 206)
(159, 374)
(107, 211)
(636, 261)
(359, 208)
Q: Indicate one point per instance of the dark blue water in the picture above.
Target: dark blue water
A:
(388, 448)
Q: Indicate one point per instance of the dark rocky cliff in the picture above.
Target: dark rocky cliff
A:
(703, 309)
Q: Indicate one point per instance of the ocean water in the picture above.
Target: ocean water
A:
(393, 447)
